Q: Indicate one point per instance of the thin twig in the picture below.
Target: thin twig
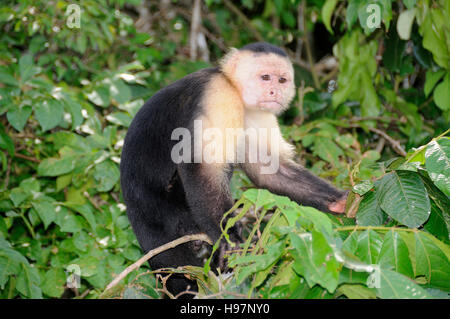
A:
(28, 158)
(155, 252)
(395, 144)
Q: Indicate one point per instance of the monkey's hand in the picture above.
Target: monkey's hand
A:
(338, 206)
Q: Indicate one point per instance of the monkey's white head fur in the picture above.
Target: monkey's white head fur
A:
(265, 80)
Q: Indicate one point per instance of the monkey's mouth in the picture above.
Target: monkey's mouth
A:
(270, 105)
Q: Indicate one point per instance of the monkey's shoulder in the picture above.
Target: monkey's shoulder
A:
(222, 104)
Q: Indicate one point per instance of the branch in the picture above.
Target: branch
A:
(28, 158)
(155, 252)
(395, 144)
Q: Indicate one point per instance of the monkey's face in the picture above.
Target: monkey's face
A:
(266, 82)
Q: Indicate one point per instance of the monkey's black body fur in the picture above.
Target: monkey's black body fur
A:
(151, 185)
(166, 200)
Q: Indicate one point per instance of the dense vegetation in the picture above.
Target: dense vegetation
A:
(372, 114)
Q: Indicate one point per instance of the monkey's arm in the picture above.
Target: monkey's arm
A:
(300, 185)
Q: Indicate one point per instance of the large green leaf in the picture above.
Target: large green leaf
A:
(119, 91)
(432, 260)
(314, 260)
(56, 166)
(392, 285)
(439, 223)
(28, 282)
(369, 211)
(53, 283)
(394, 254)
(46, 211)
(107, 174)
(27, 68)
(368, 246)
(49, 113)
(402, 195)
(18, 116)
(437, 162)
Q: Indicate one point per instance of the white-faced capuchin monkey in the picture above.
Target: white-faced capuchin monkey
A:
(170, 196)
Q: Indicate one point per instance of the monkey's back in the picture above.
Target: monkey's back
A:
(146, 166)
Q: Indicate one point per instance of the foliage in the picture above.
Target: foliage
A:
(67, 96)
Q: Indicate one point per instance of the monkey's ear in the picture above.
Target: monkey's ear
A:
(229, 62)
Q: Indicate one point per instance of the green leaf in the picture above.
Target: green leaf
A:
(363, 187)
(432, 78)
(100, 96)
(28, 282)
(49, 113)
(26, 67)
(53, 283)
(327, 13)
(56, 166)
(394, 254)
(30, 185)
(352, 13)
(18, 116)
(107, 174)
(314, 260)
(354, 291)
(86, 211)
(441, 94)
(439, 223)
(369, 211)
(327, 149)
(120, 91)
(254, 263)
(437, 162)
(402, 195)
(75, 112)
(432, 260)
(18, 195)
(70, 223)
(409, 3)
(368, 246)
(393, 285)
(7, 268)
(46, 211)
(439, 199)
(119, 118)
(260, 197)
(7, 78)
(88, 265)
(434, 31)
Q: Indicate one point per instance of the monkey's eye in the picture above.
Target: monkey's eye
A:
(282, 80)
(265, 77)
